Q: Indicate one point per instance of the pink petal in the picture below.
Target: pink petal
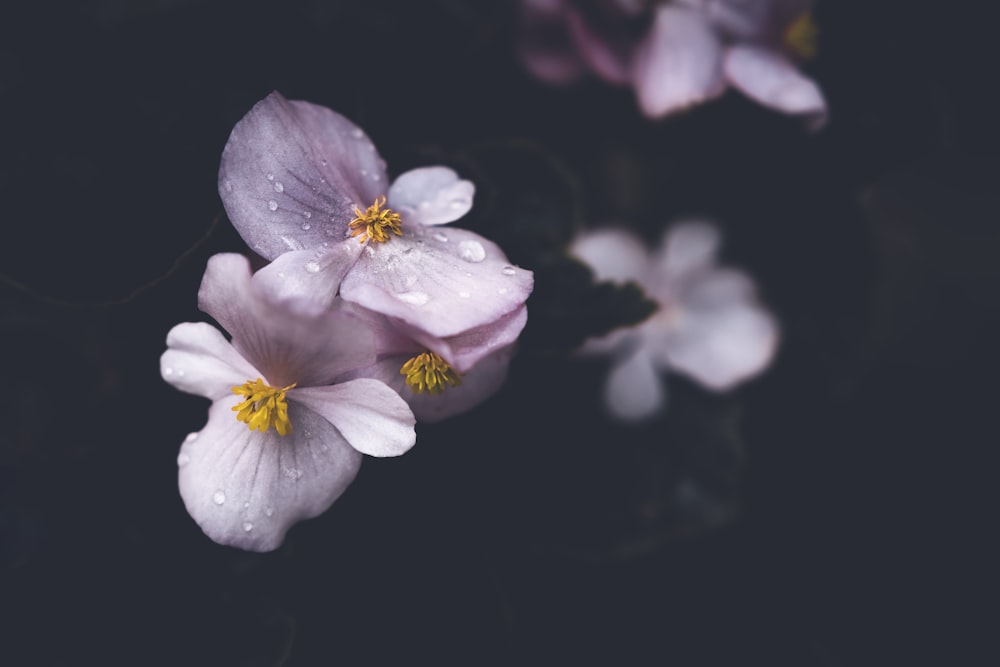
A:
(312, 274)
(292, 173)
(544, 45)
(372, 417)
(246, 489)
(686, 248)
(771, 79)
(609, 58)
(291, 340)
(431, 196)
(442, 281)
(199, 360)
(612, 254)
(466, 349)
(679, 63)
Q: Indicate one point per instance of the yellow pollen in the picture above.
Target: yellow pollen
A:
(802, 36)
(429, 372)
(265, 406)
(375, 222)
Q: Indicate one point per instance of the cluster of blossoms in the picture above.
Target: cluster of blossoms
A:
(368, 317)
(709, 324)
(679, 53)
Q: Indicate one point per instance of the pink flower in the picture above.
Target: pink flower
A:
(306, 188)
(709, 325)
(679, 53)
(284, 438)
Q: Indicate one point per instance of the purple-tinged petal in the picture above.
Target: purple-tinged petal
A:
(246, 488)
(608, 55)
(722, 336)
(311, 274)
(771, 79)
(612, 254)
(686, 248)
(199, 360)
(292, 173)
(634, 389)
(442, 281)
(544, 45)
(478, 384)
(679, 63)
(371, 416)
(431, 196)
(293, 340)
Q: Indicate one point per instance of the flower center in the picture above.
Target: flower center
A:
(265, 406)
(802, 36)
(375, 222)
(429, 372)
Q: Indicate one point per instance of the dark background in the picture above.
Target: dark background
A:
(837, 511)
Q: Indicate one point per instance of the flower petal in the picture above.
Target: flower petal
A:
(292, 173)
(371, 416)
(292, 340)
(612, 254)
(246, 489)
(444, 282)
(544, 45)
(634, 389)
(722, 336)
(311, 274)
(679, 63)
(431, 196)
(687, 247)
(466, 349)
(771, 79)
(607, 52)
(199, 360)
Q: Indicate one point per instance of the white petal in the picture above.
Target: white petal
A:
(722, 336)
(679, 64)
(612, 254)
(686, 247)
(370, 415)
(634, 389)
(431, 196)
(310, 274)
(199, 360)
(246, 488)
(771, 79)
(444, 281)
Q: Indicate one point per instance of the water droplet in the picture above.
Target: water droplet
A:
(464, 294)
(471, 251)
(322, 180)
(312, 266)
(278, 187)
(269, 511)
(392, 262)
(182, 460)
(425, 204)
(228, 184)
(502, 290)
(413, 298)
(324, 162)
(281, 274)
(168, 371)
(410, 281)
(246, 505)
(219, 497)
(376, 177)
(307, 215)
(191, 436)
(180, 372)
(508, 270)
(292, 473)
(357, 133)
(273, 205)
(247, 526)
(460, 203)
(270, 176)
(364, 172)
(438, 236)
(306, 226)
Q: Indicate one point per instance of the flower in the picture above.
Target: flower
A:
(709, 325)
(679, 53)
(306, 188)
(283, 439)
(441, 377)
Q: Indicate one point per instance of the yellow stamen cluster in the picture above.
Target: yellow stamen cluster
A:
(265, 406)
(802, 36)
(376, 223)
(429, 372)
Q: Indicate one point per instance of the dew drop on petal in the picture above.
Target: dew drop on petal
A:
(219, 497)
(425, 204)
(460, 203)
(357, 133)
(180, 372)
(307, 214)
(247, 526)
(191, 436)
(413, 298)
(324, 162)
(376, 177)
(168, 371)
(502, 290)
(471, 251)
(292, 473)
(364, 172)
(306, 226)
(182, 460)
(312, 266)
(228, 185)
(272, 205)
(508, 270)
(438, 236)
(278, 187)
(269, 511)
(465, 294)
(270, 176)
